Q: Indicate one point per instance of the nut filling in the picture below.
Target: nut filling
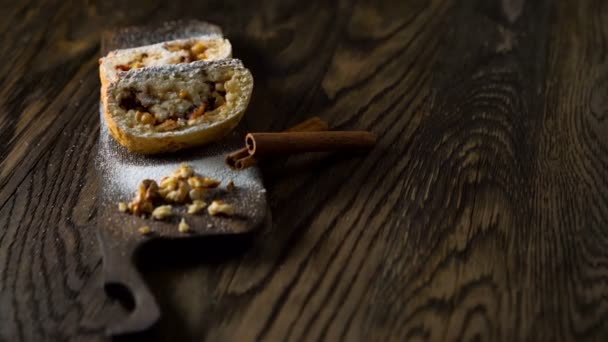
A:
(169, 109)
(187, 51)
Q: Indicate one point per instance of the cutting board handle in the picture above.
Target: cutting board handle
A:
(122, 279)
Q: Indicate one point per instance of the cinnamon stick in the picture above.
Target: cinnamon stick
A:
(245, 162)
(233, 158)
(240, 159)
(276, 144)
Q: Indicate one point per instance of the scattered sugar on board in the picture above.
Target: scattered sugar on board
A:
(128, 177)
(126, 172)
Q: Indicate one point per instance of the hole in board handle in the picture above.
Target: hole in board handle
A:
(121, 293)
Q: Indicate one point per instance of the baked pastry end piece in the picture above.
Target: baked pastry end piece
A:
(172, 52)
(167, 108)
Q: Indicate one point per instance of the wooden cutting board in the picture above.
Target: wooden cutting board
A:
(120, 172)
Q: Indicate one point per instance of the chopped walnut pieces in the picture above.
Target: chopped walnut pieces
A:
(148, 119)
(137, 65)
(137, 62)
(140, 208)
(196, 206)
(147, 194)
(179, 195)
(184, 171)
(183, 187)
(195, 181)
(162, 212)
(203, 182)
(198, 112)
(197, 51)
(145, 118)
(148, 189)
(184, 95)
(198, 48)
(219, 207)
(174, 189)
(183, 227)
(168, 183)
(144, 230)
(167, 188)
(167, 125)
(197, 194)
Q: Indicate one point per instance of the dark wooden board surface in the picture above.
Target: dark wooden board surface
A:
(482, 213)
(119, 172)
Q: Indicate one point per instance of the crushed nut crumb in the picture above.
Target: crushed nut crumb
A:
(197, 194)
(145, 118)
(218, 207)
(195, 182)
(167, 125)
(183, 227)
(162, 212)
(184, 171)
(179, 195)
(198, 112)
(196, 206)
(203, 182)
(144, 230)
(147, 194)
(198, 48)
(182, 187)
(184, 95)
(167, 184)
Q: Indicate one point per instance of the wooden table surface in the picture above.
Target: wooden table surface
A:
(482, 214)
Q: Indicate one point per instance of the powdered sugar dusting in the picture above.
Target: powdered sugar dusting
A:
(126, 173)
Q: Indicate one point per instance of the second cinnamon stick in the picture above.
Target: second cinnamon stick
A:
(285, 143)
(241, 159)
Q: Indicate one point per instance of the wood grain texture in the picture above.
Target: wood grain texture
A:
(481, 215)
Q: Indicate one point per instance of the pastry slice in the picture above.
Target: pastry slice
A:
(202, 48)
(166, 108)
(154, 32)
